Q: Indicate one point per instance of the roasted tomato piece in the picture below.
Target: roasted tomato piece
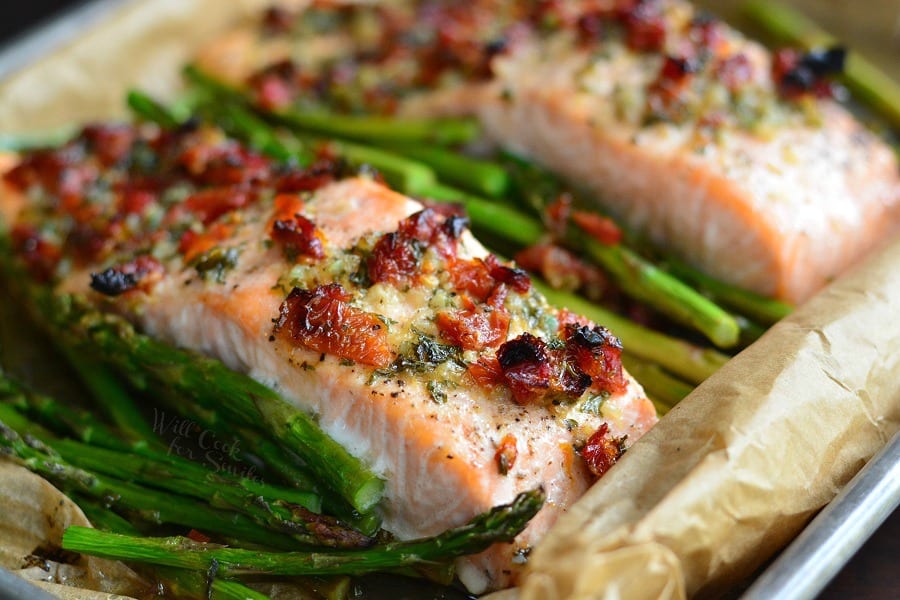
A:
(322, 319)
(525, 362)
(39, 255)
(210, 204)
(506, 454)
(474, 328)
(601, 451)
(298, 236)
(110, 142)
(598, 353)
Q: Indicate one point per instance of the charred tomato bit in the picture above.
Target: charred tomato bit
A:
(111, 143)
(601, 451)
(602, 229)
(322, 319)
(645, 27)
(525, 363)
(39, 255)
(665, 94)
(117, 280)
(298, 236)
(211, 203)
(277, 85)
(396, 256)
(506, 454)
(394, 259)
(598, 353)
(797, 74)
(278, 20)
(223, 164)
(318, 175)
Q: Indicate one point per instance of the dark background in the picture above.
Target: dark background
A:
(873, 574)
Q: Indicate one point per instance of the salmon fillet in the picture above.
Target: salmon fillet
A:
(415, 349)
(735, 161)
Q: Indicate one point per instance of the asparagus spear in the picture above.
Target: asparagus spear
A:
(148, 504)
(500, 524)
(870, 84)
(663, 389)
(148, 108)
(288, 511)
(106, 390)
(474, 175)
(767, 311)
(215, 387)
(60, 418)
(180, 583)
(647, 283)
(362, 128)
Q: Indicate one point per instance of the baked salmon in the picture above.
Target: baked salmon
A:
(422, 354)
(737, 161)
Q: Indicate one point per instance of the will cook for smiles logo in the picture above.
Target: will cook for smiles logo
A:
(189, 440)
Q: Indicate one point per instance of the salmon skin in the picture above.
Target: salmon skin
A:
(736, 161)
(415, 349)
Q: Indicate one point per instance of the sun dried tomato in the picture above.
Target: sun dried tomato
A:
(735, 72)
(134, 201)
(394, 259)
(472, 277)
(110, 142)
(602, 229)
(299, 235)
(601, 451)
(396, 256)
(558, 213)
(193, 244)
(797, 74)
(40, 256)
(645, 27)
(321, 319)
(525, 363)
(515, 278)
(486, 371)
(473, 328)
(597, 353)
(278, 20)
(224, 164)
(318, 175)
(506, 454)
(479, 277)
(210, 204)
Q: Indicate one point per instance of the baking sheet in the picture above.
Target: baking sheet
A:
(640, 515)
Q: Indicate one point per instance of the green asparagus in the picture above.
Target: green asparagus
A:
(500, 524)
(146, 504)
(215, 387)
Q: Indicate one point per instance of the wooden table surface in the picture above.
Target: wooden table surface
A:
(870, 26)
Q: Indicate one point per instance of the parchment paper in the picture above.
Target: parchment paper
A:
(723, 482)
